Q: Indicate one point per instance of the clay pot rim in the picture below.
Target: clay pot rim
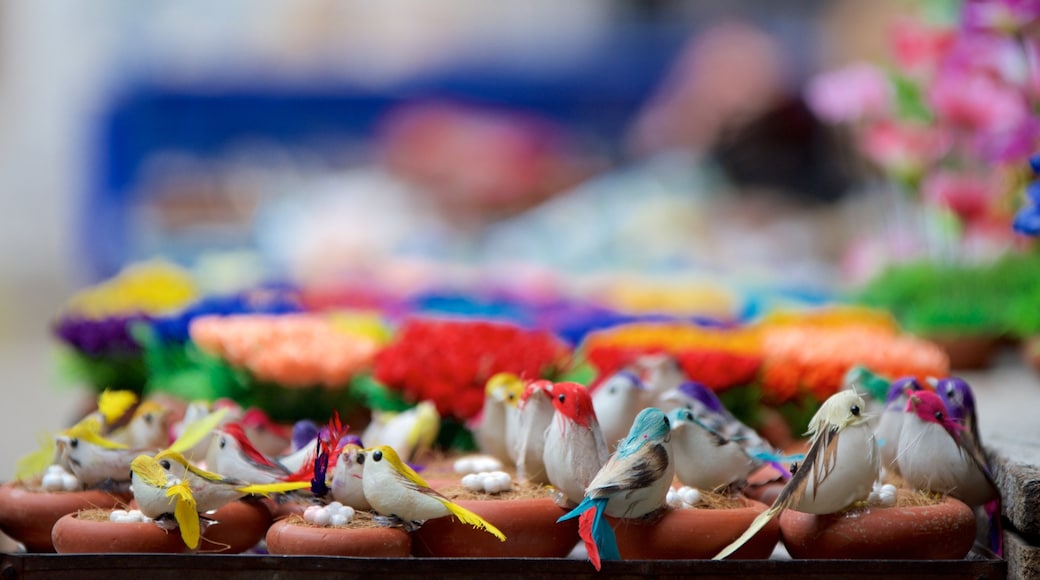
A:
(289, 533)
(147, 533)
(951, 522)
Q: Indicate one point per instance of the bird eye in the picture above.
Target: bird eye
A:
(360, 458)
(223, 442)
(148, 418)
(667, 423)
(512, 396)
(939, 415)
(562, 397)
(612, 390)
(73, 443)
(165, 464)
(689, 416)
(855, 410)
(377, 455)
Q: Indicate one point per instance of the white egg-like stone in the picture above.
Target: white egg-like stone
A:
(690, 495)
(338, 520)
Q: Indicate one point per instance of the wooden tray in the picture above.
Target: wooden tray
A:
(249, 567)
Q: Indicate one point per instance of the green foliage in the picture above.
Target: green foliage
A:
(116, 371)
(930, 297)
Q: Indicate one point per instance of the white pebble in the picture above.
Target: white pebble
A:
(472, 482)
(334, 506)
(117, 515)
(488, 482)
(339, 520)
(52, 482)
(690, 495)
(70, 482)
(673, 500)
(477, 464)
(321, 517)
(138, 516)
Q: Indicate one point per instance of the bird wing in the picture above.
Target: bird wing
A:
(186, 514)
(970, 446)
(635, 471)
(825, 444)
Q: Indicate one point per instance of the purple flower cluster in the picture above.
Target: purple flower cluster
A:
(95, 337)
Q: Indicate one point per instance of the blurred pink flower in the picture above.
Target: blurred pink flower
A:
(918, 48)
(966, 193)
(903, 149)
(856, 92)
(1012, 145)
(1001, 16)
(976, 102)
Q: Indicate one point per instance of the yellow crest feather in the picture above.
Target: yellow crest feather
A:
(401, 467)
(186, 514)
(114, 404)
(148, 469)
(89, 430)
(176, 456)
(834, 412)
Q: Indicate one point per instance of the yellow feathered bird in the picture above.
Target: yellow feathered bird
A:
(169, 484)
(840, 468)
(396, 491)
(112, 406)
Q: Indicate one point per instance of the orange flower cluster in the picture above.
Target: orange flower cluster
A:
(293, 350)
(790, 353)
(814, 359)
(675, 337)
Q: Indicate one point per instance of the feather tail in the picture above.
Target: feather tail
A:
(35, 463)
(756, 525)
(468, 517)
(594, 530)
(280, 487)
(196, 430)
(996, 528)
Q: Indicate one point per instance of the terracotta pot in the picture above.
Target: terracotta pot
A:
(74, 535)
(692, 534)
(529, 526)
(28, 516)
(968, 351)
(240, 526)
(288, 537)
(944, 531)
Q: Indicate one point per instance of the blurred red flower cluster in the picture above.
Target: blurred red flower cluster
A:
(448, 362)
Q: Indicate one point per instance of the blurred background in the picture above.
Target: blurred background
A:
(315, 139)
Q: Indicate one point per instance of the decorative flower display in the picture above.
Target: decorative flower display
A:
(809, 360)
(96, 326)
(154, 287)
(952, 116)
(292, 366)
(448, 361)
(293, 350)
